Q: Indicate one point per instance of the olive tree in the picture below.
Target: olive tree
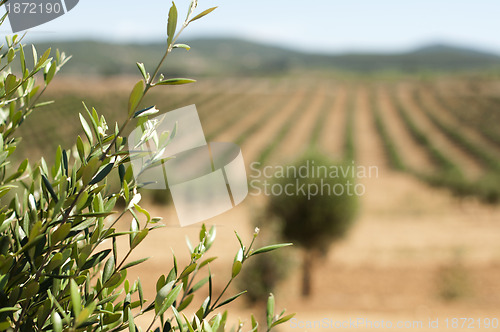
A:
(55, 273)
(311, 218)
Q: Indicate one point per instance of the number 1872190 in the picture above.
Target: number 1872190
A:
(471, 323)
(34, 8)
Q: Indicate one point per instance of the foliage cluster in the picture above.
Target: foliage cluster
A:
(55, 220)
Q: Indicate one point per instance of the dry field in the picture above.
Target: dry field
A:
(417, 236)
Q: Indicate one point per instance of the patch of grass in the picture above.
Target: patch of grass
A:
(454, 281)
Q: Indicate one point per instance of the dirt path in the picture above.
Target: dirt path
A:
(297, 139)
(369, 146)
(468, 164)
(331, 139)
(229, 114)
(256, 143)
(410, 151)
(257, 108)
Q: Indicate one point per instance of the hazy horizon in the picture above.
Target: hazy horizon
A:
(360, 50)
(320, 26)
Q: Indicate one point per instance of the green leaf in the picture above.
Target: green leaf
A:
(76, 300)
(175, 81)
(239, 239)
(109, 268)
(81, 149)
(49, 188)
(171, 275)
(102, 174)
(184, 46)
(22, 167)
(199, 284)
(85, 314)
(238, 263)
(35, 54)
(144, 212)
(22, 58)
(134, 263)
(95, 259)
(223, 320)
(89, 170)
(43, 58)
(82, 200)
(171, 297)
(255, 324)
(146, 111)
(187, 301)
(139, 289)
(61, 233)
(3, 191)
(270, 248)
(207, 261)
(211, 237)
(178, 319)
(139, 237)
(95, 214)
(283, 320)
(56, 321)
(45, 103)
(270, 309)
(121, 173)
(131, 324)
(135, 97)
(231, 299)
(187, 271)
(111, 318)
(203, 13)
(236, 269)
(142, 69)
(172, 23)
(115, 279)
(65, 162)
(162, 294)
(190, 327)
(86, 129)
(10, 83)
(9, 309)
(203, 232)
(51, 71)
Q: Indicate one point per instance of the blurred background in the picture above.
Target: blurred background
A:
(409, 87)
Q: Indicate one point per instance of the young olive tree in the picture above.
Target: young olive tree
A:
(54, 273)
(317, 221)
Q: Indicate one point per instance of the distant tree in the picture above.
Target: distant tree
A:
(315, 222)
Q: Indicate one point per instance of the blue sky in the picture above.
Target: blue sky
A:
(316, 26)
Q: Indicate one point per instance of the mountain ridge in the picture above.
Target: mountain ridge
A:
(232, 56)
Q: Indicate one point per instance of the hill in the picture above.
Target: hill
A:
(239, 57)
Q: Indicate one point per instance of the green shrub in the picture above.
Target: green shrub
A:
(54, 275)
(454, 282)
(314, 222)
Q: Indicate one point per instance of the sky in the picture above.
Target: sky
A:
(326, 26)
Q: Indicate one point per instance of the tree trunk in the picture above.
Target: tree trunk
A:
(307, 266)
